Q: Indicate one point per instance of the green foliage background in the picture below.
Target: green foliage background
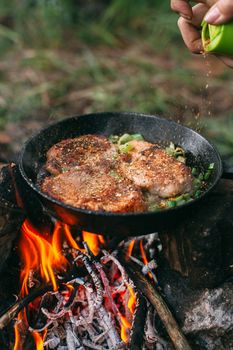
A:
(68, 57)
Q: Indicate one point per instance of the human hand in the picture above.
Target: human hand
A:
(213, 11)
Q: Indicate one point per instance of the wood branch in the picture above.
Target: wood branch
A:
(136, 336)
(12, 312)
(7, 315)
(144, 285)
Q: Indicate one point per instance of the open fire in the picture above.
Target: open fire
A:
(94, 310)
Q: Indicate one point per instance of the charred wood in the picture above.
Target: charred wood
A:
(137, 332)
(145, 287)
(7, 315)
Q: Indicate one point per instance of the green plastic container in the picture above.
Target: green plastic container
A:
(218, 39)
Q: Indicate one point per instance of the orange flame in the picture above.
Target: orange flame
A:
(93, 241)
(17, 345)
(130, 249)
(126, 322)
(37, 253)
(39, 340)
(125, 327)
(70, 240)
(41, 253)
(132, 300)
(144, 258)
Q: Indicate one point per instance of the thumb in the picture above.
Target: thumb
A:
(221, 12)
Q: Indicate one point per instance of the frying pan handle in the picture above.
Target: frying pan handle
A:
(227, 171)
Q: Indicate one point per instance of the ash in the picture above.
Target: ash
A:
(99, 310)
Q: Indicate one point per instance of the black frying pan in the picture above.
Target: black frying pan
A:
(154, 129)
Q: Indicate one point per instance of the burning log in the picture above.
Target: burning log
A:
(137, 335)
(146, 288)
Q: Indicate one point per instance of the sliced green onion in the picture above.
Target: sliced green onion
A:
(127, 147)
(171, 204)
(181, 159)
(127, 138)
(172, 146)
(211, 166)
(194, 171)
(137, 137)
(177, 199)
(207, 175)
(196, 183)
(201, 176)
(124, 138)
(197, 194)
(181, 202)
(113, 138)
(186, 196)
(169, 151)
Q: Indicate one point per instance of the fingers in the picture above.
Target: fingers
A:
(189, 29)
(199, 11)
(190, 36)
(221, 12)
(182, 7)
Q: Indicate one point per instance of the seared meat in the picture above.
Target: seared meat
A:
(82, 150)
(89, 172)
(138, 146)
(154, 170)
(94, 189)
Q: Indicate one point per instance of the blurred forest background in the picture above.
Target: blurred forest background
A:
(60, 58)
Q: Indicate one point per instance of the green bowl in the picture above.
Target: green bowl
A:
(218, 39)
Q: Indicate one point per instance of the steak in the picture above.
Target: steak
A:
(88, 150)
(94, 188)
(152, 169)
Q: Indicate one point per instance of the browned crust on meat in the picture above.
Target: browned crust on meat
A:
(94, 189)
(82, 150)
(156, 171)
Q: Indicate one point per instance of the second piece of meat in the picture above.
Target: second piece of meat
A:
(152, 169)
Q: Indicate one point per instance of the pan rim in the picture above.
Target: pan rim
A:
(112, 214)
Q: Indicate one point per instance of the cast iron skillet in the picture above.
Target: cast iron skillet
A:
(154, 129)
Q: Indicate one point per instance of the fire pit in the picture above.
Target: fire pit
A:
(102, 284)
